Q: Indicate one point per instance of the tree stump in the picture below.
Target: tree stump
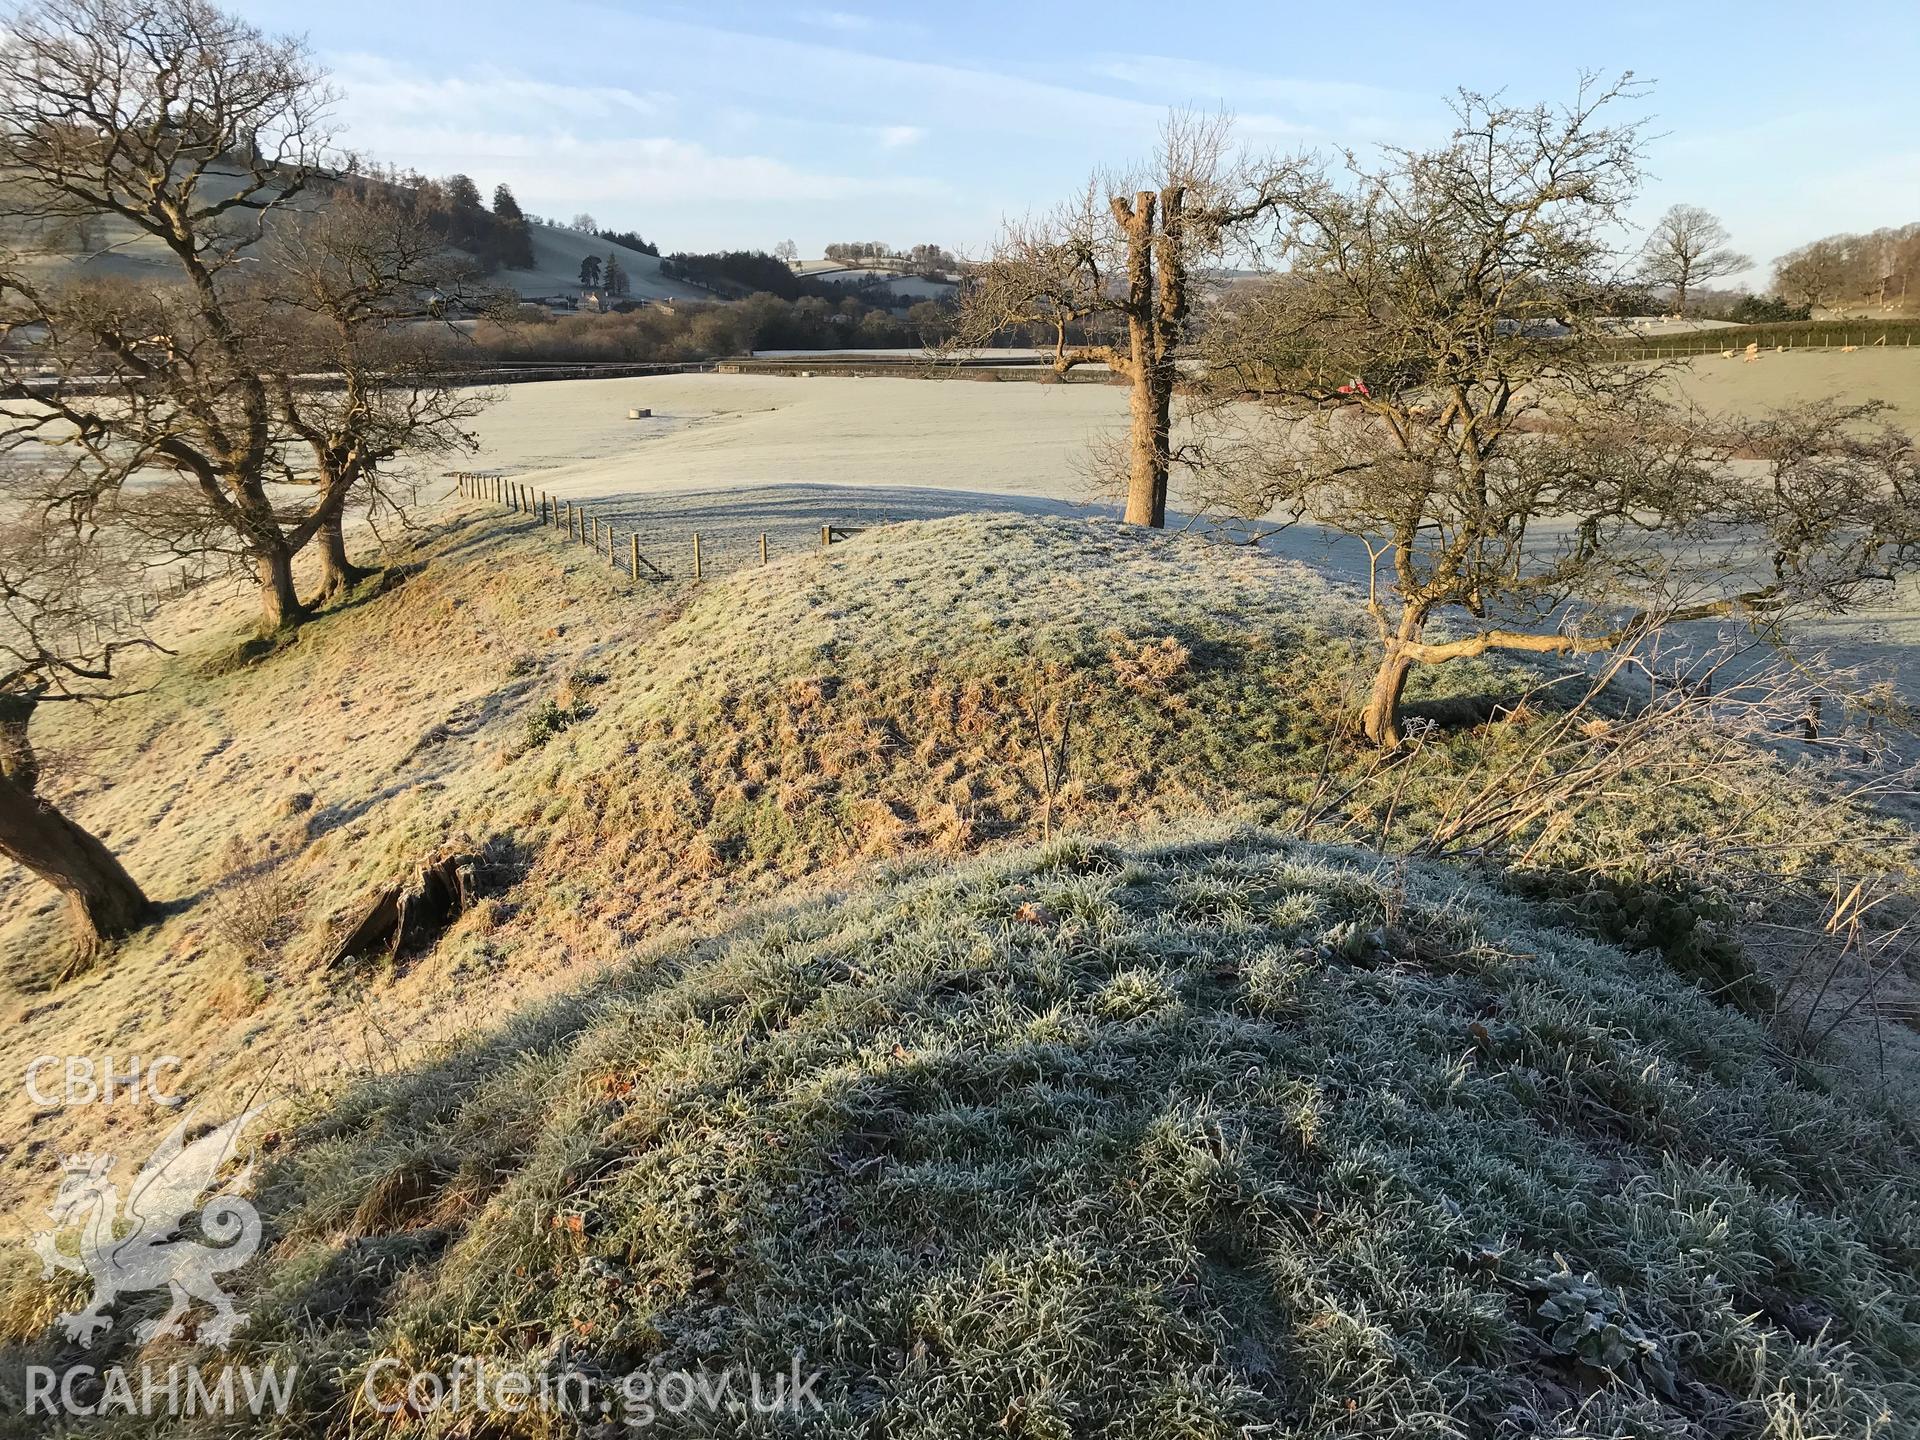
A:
(410, 914)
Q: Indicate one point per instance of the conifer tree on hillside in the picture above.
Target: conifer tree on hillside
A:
(590, 270)
(462, 193)
(615, 275)
(512, 243)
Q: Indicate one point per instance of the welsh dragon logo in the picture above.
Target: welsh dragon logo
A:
(143, 1248)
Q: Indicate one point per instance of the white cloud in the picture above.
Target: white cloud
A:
(844, 20)
(561, 169)
(899, 137)
(1267, 107)
(396, 92)
(562, 146)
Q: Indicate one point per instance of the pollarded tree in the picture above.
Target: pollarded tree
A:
(199, 132)
(1688, 247)
(1123, 256)
(67, 615)
(1432, 373)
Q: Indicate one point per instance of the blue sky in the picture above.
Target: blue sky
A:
(740, 125)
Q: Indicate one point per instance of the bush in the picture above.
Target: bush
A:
(1766, 309)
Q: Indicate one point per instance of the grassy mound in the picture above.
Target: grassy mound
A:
(623, 760)
(1238, 1136)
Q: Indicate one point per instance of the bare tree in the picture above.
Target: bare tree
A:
(66, 617)
(1108, 279)
(1432, 373)
(198, 132)
(354, 285)
(786, 250)
(1815, 274)
(1688, 247)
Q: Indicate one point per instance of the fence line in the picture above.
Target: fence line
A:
(1737, 340)
(583, 527)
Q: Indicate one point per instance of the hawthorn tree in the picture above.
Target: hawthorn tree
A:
(1688, 247)
(196, 131)
(66, 619)
(1121, 258)
(1431, 372)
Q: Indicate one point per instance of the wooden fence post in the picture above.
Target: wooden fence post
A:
(696, 554)
(610, 559)
(826, 536)
(763, 547)
(633, 555)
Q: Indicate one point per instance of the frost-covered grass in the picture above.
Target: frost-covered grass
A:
(1233, 1136)
(626, 760)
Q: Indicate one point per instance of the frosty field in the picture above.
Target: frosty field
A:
(573, 438)
(733, 455)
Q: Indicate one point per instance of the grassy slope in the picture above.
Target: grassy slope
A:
(733, 741)
(119, 248)
(635, 763)
(1188, 1141)
(627, 759)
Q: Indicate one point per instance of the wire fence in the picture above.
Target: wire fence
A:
(653, 552)
(1739, 340)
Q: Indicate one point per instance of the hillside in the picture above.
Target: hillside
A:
(557, 253)
(1198, 1140)
(619, 759)
(1301, 1121)
(115, 247)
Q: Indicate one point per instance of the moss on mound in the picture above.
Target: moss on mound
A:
(1239, 1136)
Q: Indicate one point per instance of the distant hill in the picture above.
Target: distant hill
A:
(897, 280)
(557, 253)
(110, 245)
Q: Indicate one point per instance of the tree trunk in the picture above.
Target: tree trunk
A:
(1148, 442)
(279, 601)
(1380, 721)
(1148, 403)
(103, 902)
(337, 573)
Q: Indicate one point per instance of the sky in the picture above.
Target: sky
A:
(739, 125)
